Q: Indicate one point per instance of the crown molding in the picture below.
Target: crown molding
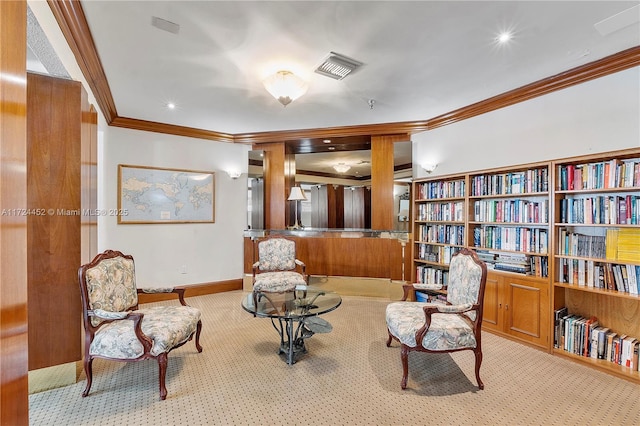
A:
(609, 65)
(170, 129)
(73, 23)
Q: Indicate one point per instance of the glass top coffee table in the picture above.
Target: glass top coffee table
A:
(294, 315)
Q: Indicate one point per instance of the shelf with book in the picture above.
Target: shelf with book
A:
(596, 246)
(509, 218)
(439, 226)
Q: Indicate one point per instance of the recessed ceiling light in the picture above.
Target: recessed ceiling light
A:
(504, 37)
(171, 105)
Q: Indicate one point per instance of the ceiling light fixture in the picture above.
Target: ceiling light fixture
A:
(341, 167)
(285, 86)
(504, 37)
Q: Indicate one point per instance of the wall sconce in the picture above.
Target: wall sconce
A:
(429, 168)
(234, 174)
(285, 86)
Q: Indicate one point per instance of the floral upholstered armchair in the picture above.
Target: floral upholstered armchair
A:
(450, 327)
(116, 329)
(277, 269)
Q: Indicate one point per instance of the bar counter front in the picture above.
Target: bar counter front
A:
(353, 253)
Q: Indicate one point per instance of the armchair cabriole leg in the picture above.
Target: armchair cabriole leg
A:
(198, 330)
(162, 369)
(389, 339)
(478, 353)
(88, 371)
(404, 355)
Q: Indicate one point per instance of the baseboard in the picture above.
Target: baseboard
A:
(54, 377)
(192, 290)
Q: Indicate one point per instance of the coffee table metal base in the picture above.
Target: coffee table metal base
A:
(293, 347)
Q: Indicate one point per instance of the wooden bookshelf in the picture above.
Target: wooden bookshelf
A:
(531, 202)
(438, 228)
(596, 197)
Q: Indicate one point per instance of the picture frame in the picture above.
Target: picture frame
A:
(148, 195)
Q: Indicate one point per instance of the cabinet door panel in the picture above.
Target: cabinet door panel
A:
(527, 310)
(491, 310)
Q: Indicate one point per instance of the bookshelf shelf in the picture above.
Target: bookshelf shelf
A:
(432, 243)
(596, 259)
(602, 365)
(598, 191)
(445, 199)
(444, 222)
(518, 195)
(600, 291)
(428, 262)
(595, 225)
(512, 224)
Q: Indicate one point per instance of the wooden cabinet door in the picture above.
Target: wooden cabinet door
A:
(492, 309)
(526, 309)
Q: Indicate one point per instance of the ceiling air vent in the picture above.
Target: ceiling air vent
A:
(165, 25)
(337, 66)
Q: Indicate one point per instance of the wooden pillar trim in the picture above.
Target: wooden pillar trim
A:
(14, 384)
(382, 180)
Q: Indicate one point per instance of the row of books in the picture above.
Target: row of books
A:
(515, 262)
(604, 210)
(452, 211)
(531, 240)
(444, 234)
(528, 181)
(586, 337)
(581, 245)
(511, 211)
(624, 278)
(440, 189)
(623, 244)
(429, 275)
(436, 254)
(605, 174)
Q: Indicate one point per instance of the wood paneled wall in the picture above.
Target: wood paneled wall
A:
(14, 385)
(348, 257)
(54, 134)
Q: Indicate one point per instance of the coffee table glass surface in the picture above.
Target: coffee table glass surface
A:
(303, 302)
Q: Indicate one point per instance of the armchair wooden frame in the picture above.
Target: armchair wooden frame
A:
(447, 309)
(137, 317)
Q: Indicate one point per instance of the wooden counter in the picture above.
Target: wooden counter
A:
(334, 252)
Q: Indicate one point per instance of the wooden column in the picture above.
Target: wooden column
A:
(54, 139)
(382, 180)
(275, 190)
(14, 385)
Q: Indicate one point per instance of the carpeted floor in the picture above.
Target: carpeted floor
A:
(349, 377)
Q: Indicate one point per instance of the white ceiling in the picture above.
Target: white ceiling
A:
(421, 58)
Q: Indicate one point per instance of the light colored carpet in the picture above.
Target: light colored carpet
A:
(349, 377)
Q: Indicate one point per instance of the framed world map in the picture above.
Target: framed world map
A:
(156, 195)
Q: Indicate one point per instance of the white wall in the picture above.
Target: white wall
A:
(210, 252)
(597, 116)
